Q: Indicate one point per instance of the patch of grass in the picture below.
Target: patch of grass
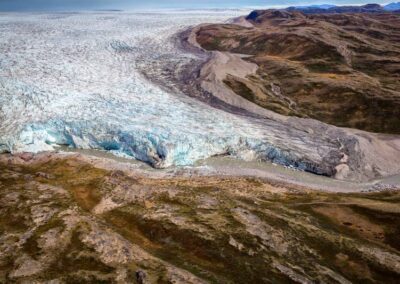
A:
(240, 88)
(31, 245)
(390, 221)
(11, 221)
(77, 257)
(215, 260)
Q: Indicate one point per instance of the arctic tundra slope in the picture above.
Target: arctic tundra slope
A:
(67, 219)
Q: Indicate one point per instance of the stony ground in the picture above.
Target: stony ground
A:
(66, 221)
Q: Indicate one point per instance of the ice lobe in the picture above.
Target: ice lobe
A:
(159, 146)
(77, 80)
(74, 80)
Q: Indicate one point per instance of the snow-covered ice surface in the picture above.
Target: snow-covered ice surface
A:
(75, 79)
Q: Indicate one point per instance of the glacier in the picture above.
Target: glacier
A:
(73, 79)
(76, 79)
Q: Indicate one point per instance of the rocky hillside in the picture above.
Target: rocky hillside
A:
(340, 68)
(63, 220)
(368, 8)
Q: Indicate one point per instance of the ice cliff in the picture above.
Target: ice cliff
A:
(73, 79)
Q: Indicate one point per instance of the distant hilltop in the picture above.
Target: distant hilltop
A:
(327, 8)
(392, 7)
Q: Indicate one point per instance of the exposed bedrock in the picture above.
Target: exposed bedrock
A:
(67, 219)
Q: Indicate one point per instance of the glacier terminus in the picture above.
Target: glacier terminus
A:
(76, 79)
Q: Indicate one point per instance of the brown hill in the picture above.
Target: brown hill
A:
(343, 69)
